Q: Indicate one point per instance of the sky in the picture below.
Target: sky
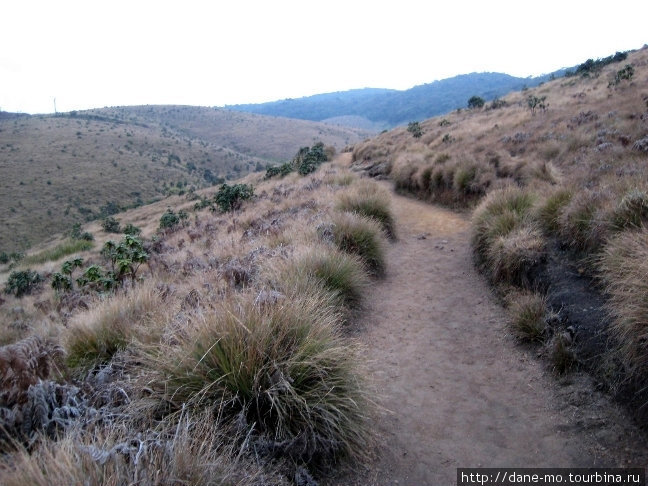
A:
(94, 53)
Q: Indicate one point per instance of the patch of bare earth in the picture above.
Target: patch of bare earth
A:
(457, 389)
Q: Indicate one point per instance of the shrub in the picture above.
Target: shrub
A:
(125, 257)
(623, 268)
(61, 282)
(279, 170)
(170, 219)
(415, 129)
(132, 230)
(370, 200)
(229, 198)
(110, 225)
(360, 236)
(4, 258)
(22, 282)
(534, 102)
(308, 160)
(624, 74)
(475, 102)
(528, 312)
(283, 369)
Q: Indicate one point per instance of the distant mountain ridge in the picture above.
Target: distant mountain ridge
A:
(387, 108)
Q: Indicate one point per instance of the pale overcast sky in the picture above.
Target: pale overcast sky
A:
(103, 53)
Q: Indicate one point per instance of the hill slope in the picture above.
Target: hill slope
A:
(390, 108)
(58, 170)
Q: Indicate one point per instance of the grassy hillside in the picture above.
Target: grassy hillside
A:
(58, 170)
(224, 355)
(389, 108)
(559, 179)
(275, 139)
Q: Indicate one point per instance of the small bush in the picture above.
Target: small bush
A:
(283, 369)
(370, 200)
(110, 225)
(171, 220)
(229, 198)
(308, 160)
(132, 230)
(528, 312)
(22, 282)
(360, 236)
(476, 102)
(415, 129)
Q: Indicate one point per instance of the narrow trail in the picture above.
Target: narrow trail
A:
(457, 389)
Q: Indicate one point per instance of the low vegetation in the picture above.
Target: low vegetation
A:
(215, 340)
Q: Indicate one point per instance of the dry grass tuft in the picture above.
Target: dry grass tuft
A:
(529, 312)
(623, 268)
(363, 237)
(368, 199)
(283, 370)
(96, 335)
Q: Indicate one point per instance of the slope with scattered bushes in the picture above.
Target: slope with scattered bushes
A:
(227, 355)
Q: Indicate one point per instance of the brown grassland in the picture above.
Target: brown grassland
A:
(58, 170)
(227, 361)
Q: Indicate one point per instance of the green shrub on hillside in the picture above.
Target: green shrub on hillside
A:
(170, 219)
(229, 198)
(415, 129)
(22, 282)
(476, 102)
(110, 225)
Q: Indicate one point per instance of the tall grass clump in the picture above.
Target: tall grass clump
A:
(93, 337)
(342, 274)
(59, 251)
(551, 208)
(505, 240)
(582, 225)
(623, 268)
(283, 370)
(369, 199)
(632, 210)
(528, 311)
(361, 236)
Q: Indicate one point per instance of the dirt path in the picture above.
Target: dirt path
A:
(459, 391)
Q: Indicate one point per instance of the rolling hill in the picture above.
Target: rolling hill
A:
(78, 166)
(386, 108)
